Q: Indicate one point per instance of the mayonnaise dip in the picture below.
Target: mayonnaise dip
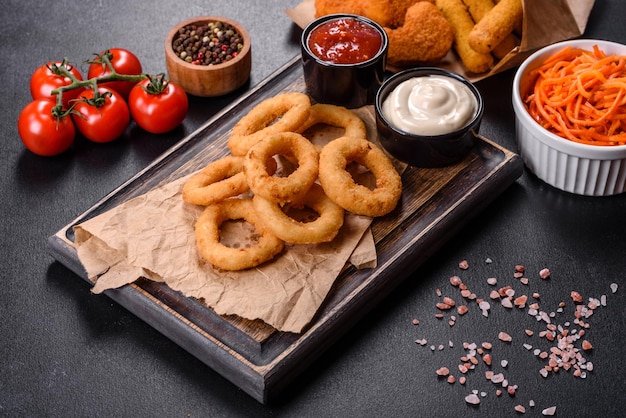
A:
(430, 105)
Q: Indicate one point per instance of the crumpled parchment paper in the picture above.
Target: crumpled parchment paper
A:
(153, 236)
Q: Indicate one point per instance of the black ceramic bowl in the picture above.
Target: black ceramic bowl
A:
(349, 85)
(427, 150)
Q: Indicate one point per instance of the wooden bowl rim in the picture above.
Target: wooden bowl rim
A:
(169, 51)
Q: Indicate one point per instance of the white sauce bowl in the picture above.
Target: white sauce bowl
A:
(569, 166)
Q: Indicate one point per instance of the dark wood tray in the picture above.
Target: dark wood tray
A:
(252, 355)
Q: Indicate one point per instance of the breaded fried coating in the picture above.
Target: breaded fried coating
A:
(389, 13)
(495, 25)
(424, 39)
(478, 9)
(456, 13)
(327, 7)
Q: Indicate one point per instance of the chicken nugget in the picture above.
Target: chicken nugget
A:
(327, 7)
(389, 13)
(424, 38)
(496, 25)
(462, 23)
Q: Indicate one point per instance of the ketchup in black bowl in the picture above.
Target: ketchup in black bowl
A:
(344, 58)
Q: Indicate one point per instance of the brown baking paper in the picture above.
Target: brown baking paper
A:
(153, 236)
(544, 23)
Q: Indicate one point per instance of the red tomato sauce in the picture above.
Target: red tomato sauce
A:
(345, 41)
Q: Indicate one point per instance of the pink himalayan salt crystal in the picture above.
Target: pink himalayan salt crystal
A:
(472, 399)
(544, 273)
(455, 281)
(463, 265)
(549, 411)
(443, 371)
(520, 409)
(503, 336)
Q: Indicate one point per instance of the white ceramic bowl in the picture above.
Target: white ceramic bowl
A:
(570, 166)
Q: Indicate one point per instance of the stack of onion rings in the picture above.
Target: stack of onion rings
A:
(276, 127)
(341, 187)
(282, 113)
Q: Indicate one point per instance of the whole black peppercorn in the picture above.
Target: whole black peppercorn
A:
(210, 43)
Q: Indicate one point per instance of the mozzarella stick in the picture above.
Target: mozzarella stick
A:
(462, 23)
(478, 9)
(495, 25)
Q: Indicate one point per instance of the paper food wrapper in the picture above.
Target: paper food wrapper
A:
(153, 236)
(545, 22)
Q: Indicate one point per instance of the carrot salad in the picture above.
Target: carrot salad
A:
(580, 95)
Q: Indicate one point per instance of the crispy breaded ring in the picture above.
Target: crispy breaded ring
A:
(217, 181)
(322, 229)
(495, 25)
(282, 113)
(281, 189)
(462, 23)
(337, 116)
(425, 37)
(228, 258)
(339, 185)
(478, 9)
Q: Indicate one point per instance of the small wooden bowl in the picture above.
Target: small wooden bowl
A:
(209, 80)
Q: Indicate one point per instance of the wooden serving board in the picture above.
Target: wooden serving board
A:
(252, 355)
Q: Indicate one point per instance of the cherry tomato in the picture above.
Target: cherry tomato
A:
(47, 78)
(158, 106)
(42, 132)
(103, 118)
(123, 62)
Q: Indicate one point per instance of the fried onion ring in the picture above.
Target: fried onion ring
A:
(281, 189)
(340, 186)
(282, 113)
(228, 258)
(337, 116)
(322, 229)
(217, 181)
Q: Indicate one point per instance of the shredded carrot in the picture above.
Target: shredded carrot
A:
(580, 95)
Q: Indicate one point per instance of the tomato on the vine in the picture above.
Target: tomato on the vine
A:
(123, 62)
(103, 117)
(42, 131)
(158, 106)
(47, 78)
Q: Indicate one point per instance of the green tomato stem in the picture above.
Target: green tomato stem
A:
(91, 83)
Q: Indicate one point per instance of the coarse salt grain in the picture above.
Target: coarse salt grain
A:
(463, 265)
(614, 287)
(549, 411)
(484, 307)
(503, 336)
(472, 399)
(520, 409)
(442, 371)
(455, 281)
(544, 273)
(492, 281)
